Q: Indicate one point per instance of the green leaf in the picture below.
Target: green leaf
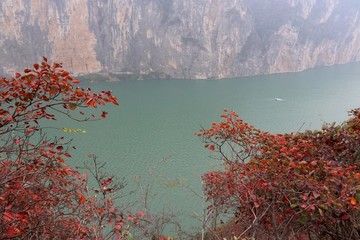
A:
(69, 130)
(303, 219)
(294, 205)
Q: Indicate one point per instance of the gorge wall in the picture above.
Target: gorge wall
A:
(180, 38)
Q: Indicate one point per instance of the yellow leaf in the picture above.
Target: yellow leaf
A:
(72, 106)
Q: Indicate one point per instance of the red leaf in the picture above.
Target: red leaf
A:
(7, 216)
(76, 81)
(316, 194)
(82, 199)
(14, 231)
(106, 182)
(103, 115)
(36, 66)
(67, 155)
(30, 130)
(59, 148)
(91, 102)
(140, 213)
(79, 92)
(64, 73)
(17, 75)
(212, 147)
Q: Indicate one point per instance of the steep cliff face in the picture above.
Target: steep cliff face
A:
(180, 38)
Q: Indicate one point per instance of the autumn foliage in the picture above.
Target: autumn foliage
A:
(303, 185)
(41, 196)
(286, 186)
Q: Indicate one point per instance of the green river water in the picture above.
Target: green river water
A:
(149, 138)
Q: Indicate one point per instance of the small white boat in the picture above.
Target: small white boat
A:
(279, 99)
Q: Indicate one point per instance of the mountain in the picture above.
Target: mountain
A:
(180, 38)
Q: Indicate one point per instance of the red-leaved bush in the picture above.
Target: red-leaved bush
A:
(42, 197)
(286, 186)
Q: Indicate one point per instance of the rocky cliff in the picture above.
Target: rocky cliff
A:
(180, 38)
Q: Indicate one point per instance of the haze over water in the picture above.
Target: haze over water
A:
(150, 138)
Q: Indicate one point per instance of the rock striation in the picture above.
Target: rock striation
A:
(180, 38)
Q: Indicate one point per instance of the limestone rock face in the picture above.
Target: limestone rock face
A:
(180, 38)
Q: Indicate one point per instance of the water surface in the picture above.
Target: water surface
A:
(150, 138)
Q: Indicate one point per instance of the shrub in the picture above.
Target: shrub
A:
(41, 196)
(286, 186)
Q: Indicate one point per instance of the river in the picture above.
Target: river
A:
(149, 138)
